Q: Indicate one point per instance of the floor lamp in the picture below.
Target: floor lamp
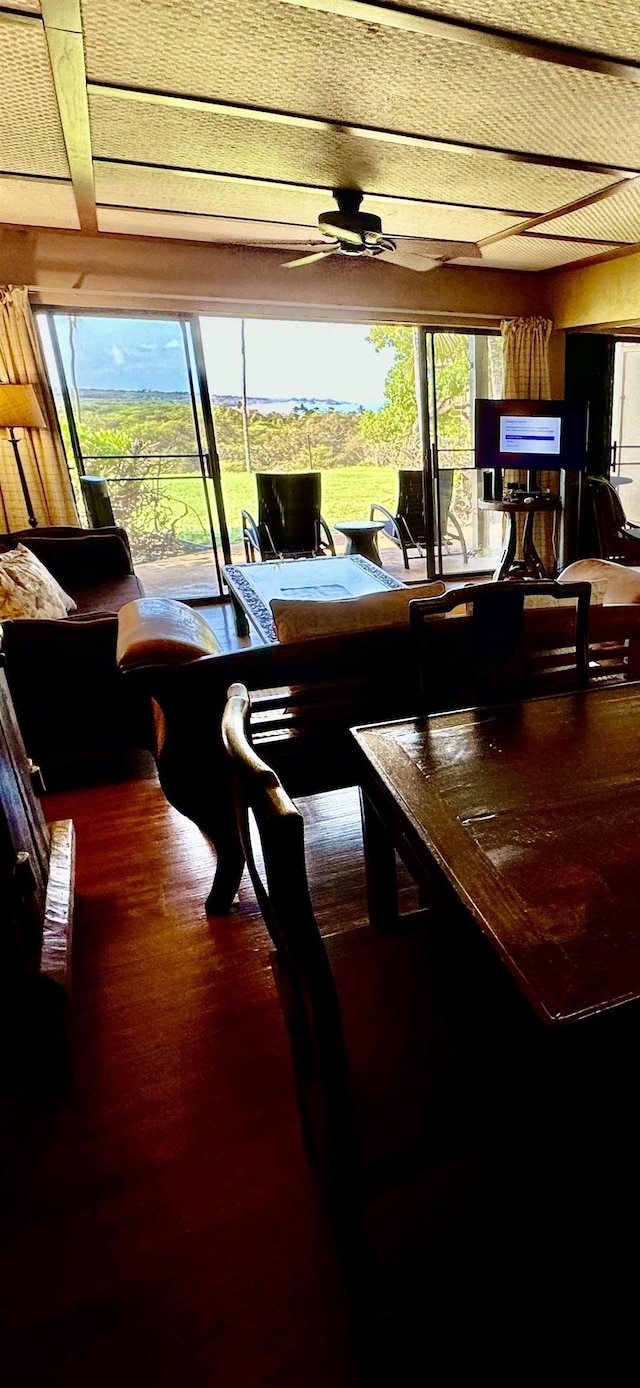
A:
(20, 409)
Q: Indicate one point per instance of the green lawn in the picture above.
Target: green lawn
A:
(181, 509)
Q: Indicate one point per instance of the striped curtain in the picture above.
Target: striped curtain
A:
(525, 352)
(41, 451)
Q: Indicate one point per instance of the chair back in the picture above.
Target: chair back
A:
(410, 512)
(609, 518)
(305, 981)
(289, 511)
(500, 651)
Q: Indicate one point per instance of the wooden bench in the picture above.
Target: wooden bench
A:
(305, 697)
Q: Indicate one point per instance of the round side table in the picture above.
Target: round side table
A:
(362, 538)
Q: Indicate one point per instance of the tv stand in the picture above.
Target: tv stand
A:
(520, 558)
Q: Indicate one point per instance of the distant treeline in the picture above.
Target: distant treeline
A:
(145, 422)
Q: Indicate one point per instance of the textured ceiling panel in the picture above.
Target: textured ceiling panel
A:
(262, 53)
(604, 26)
(125, 129)
(193, 228)
(535, 253)
(30, 131)
(616, 217)
(35, 202)
(156, 188)
(28, 6)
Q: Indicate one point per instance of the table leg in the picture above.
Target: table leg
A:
(509, 551)
(242, 625)
(380, 868)
(533, 563)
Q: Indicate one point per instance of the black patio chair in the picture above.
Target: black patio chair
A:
(289, 523)
(407, 526)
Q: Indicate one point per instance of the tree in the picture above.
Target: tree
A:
(395, 428)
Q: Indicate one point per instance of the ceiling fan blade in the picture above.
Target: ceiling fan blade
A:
(308, 259)
(438, 250)
(409, 262)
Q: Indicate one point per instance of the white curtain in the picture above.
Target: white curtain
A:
(41, 451)
(525, 352)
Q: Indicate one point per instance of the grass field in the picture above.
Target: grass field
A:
(346, 495)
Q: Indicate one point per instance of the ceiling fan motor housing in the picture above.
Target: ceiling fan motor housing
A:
(353, 226)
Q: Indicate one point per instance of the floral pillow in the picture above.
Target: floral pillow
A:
(27, 589)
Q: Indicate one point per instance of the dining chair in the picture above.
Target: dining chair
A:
(290, 523)
(375, 1066)
(406, 525)
(503, 648)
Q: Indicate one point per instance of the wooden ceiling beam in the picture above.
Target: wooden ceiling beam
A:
(410, 139)
(410, 20)
(63, 31)
(576, 206)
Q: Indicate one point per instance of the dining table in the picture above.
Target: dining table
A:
(529, 814)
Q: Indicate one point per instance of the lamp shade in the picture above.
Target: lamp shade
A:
(20, 408)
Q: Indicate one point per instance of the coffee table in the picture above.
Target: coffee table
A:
(252, 586)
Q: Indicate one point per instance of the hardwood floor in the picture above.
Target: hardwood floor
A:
(160, 1222)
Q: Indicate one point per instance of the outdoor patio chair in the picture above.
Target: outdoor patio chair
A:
(289, 522)
(407, 526)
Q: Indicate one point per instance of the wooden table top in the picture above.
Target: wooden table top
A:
(513, 506)
(532, 811)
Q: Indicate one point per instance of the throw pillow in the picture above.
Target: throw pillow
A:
(27, 589)
(300, 619)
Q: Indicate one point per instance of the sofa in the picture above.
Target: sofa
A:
(74, 711)
(305, 695)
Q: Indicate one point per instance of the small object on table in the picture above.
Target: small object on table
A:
(362, 538)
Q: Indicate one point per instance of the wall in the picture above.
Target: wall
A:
(66, 268)
(601, 297)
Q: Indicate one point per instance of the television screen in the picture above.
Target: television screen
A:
(545, 434)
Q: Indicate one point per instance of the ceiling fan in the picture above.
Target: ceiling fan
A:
(348, 231)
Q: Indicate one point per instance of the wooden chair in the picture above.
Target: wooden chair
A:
(500, 651)
(371, 1049)
(406, 527)
(289, 523)
(618, 538)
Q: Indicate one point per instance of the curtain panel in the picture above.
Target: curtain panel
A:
(525, 353)
(41, 451)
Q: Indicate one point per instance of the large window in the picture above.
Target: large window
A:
(350, 401)
(179, 414)
(133, 417)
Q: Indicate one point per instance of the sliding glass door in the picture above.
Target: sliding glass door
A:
(131, 412)
(178, 414)
(339, 399)
(460, 368)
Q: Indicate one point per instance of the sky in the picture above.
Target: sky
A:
(302, 360)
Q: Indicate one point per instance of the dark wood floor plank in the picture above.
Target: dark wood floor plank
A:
(160, 1222)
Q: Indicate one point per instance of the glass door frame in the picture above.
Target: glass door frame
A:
(427, 399)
